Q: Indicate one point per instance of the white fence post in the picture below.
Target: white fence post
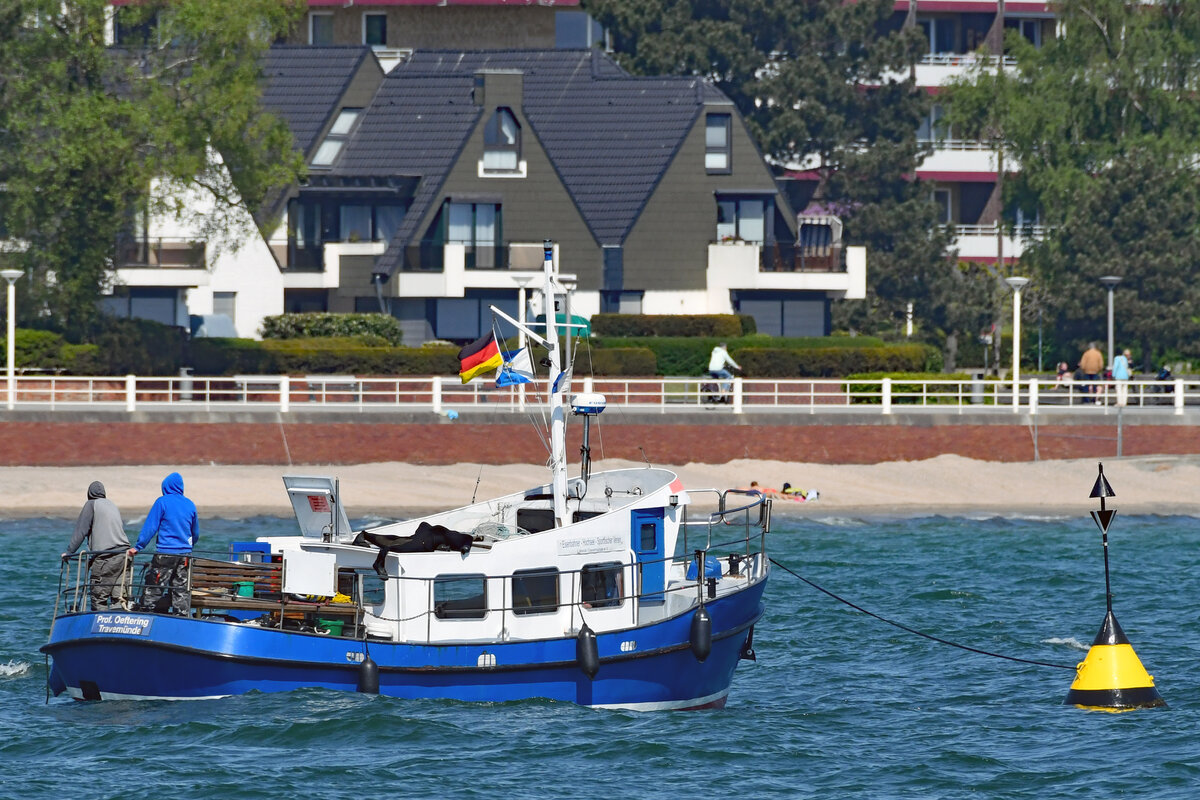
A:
(436, 392)
(737, 395)
(130, 393)
(1178, 396)
(885, 391)
(1033, 395)
(285, 394)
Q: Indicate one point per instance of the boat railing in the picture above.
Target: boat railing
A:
(752, 511)
(222, 585)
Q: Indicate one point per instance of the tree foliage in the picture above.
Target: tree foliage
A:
(825, 86)
(88, 130)
(1104, 122)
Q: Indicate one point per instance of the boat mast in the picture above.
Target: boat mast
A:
(558, 423)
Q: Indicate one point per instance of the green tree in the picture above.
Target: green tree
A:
(824, 86)
(1104, 122)
(92, 137)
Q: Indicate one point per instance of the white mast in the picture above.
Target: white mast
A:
(558, 423)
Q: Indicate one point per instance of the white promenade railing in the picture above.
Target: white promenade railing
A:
(443, 395)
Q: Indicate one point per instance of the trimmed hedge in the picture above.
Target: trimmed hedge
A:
(382, 327)
(904, 392)
(728, 326)
(123, 346)
(833, 362)
(689, 356)
(617, 361)
(215, 356)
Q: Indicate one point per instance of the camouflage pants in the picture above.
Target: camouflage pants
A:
(166, 585)
(104, 583)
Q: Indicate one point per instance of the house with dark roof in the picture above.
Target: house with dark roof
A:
(431, 200)
(431, 188)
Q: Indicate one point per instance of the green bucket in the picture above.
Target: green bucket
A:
(330, 626)
(244, 588)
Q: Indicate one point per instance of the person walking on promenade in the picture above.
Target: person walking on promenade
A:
(172, 519)
(99, 523)
(1091, 364)
(1121, 374)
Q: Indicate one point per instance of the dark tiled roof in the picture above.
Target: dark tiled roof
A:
(303, 85)
(610, 136)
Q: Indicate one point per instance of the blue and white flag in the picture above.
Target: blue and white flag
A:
(517, 368)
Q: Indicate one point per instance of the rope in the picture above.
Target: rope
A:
(914, 630)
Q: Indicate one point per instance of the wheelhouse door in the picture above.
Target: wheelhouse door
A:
(647, 543)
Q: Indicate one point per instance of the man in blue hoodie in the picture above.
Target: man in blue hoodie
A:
(172, 519)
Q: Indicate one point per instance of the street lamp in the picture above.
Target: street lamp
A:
(1016, 284)
(11, 276)
(1110, 282)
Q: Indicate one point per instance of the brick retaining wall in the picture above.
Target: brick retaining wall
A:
(63, 440)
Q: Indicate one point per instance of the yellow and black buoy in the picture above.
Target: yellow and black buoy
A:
(1112, 677)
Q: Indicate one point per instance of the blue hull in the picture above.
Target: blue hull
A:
(158, 656)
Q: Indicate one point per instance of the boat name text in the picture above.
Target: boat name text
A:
(583, 545)
(130, 624)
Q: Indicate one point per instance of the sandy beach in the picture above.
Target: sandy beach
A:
(943, 485)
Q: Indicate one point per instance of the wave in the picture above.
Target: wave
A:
(14, 668)
(1069, 641)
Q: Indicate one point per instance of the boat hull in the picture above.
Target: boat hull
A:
(127, 655)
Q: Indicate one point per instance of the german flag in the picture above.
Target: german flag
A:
(480, 356)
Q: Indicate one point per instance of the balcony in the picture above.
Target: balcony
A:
(838, 272)
(438, 269)
(163, 252)
(979, 242)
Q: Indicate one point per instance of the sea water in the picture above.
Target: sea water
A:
(838, 705)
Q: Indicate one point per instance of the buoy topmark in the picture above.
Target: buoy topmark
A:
(1112, 677)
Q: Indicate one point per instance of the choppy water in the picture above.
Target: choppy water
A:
(837, 706)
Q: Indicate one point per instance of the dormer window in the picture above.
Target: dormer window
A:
(502, 143)
(717, 157)
(336, 139)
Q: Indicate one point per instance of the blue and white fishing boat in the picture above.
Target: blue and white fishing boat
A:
(600, 590)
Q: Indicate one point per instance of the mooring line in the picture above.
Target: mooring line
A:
(914, 630)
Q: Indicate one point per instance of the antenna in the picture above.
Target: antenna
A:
(477, 477)
(643, 451)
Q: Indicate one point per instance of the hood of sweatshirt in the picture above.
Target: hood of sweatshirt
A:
(96, 490)
(173, 484)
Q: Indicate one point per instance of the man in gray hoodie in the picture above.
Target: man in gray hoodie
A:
(100, 524)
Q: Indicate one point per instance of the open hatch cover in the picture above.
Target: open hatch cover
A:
(318, 511)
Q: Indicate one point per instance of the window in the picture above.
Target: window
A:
(741, 220)
(945, 209)
(1031, 29)
(716, 142)
(501, 142)
(225, 303)
(621, 302)
(355, 223)
(600, 585)
(375, 30)
(460, 597)
(312, 223)
(576, 30)
(648, 534)
(932, 128)
(940, 33)
(535, 591)
(476, 225)
(320, 28)
(335, 140)
(134, 26)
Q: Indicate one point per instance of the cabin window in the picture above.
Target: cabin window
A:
(460, 597)
(601, 586)
(364, 585)
(649, 537)
(535, 591)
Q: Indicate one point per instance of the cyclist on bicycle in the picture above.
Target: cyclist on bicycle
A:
(716, 367)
